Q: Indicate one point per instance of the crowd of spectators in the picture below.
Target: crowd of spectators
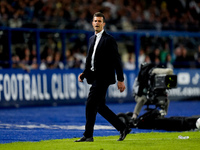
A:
(121, 15)
(180, 57)
(126, 15)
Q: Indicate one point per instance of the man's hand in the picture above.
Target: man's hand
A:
(121, 86)
(79, 77)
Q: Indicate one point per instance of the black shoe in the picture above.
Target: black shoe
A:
(84, 139)
(124, 133)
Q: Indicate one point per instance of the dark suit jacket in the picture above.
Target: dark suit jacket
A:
(107, 61)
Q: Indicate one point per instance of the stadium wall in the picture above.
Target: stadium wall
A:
(19, 88)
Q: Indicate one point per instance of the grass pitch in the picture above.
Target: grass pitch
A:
(139, 141)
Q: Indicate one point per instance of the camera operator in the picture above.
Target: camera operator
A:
(140, 89)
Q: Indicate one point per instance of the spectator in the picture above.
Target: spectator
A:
(142, 56)
(16, 21)
(47, 63)
(16, 62)
(155, 55)
(147, 59)
(82, 22)
(112, 5)
(183, 60)
(168, 62)
(58, 64)
(157, 61)
(69, 59)
(164, 53)
(130, 64)
(34, 64)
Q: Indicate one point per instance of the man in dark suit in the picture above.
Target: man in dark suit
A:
(102, 61)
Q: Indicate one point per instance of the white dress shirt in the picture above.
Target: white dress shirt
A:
(99, 35)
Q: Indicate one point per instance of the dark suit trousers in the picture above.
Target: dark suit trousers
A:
(96, 103)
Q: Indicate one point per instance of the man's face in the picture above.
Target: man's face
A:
(98, 24)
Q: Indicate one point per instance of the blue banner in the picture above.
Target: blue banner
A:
(188, 85)
(58, 87)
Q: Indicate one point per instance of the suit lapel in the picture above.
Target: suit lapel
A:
(100, 42)
(91, 46)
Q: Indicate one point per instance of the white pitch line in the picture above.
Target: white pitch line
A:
(44, 126)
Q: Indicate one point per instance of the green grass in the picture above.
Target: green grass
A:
(139, 141)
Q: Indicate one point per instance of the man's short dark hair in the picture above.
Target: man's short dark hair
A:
(99, 14)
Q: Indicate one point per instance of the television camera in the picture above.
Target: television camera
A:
(160, 80)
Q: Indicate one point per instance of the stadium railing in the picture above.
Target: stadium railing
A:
(135, 37)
